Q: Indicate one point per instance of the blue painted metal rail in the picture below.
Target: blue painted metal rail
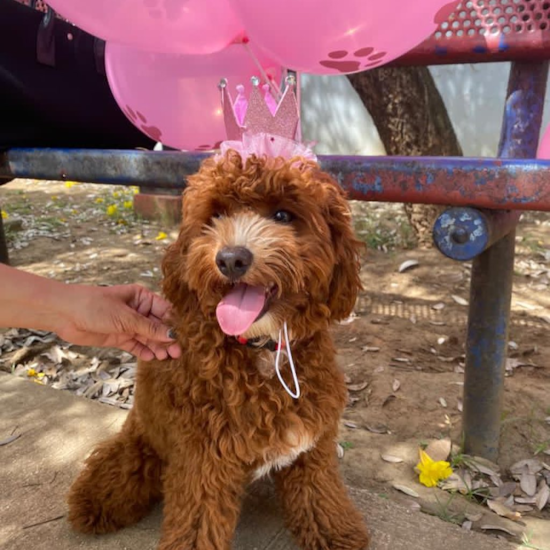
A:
(483, 183)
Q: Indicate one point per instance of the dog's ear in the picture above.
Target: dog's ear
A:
(174, 262)
(345, 283)
(173, 268)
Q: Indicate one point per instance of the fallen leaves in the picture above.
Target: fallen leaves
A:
(476, 476)
(43, 358)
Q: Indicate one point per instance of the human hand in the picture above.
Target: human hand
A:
(128, 317)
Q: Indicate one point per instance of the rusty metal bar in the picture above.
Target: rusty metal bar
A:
(492, 274)
(484, 183)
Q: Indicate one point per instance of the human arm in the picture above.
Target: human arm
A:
(129, 317)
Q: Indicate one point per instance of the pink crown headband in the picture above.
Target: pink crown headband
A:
(259, 125)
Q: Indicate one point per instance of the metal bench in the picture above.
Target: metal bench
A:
(486, 195)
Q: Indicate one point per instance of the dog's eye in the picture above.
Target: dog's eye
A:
(282, 216)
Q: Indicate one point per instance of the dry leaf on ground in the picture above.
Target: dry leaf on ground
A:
(528, 484)
(406, 490)
(9, 439)
(358, 387)
(391, 458)
(408, 264)
(543, 495)
(460, 301)
(439, 449)
(503, 510)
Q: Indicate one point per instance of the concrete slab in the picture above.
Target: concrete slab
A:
(57, 432)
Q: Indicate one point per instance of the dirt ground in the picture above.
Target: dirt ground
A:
(403, 351)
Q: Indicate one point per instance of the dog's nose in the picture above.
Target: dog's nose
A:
(234, 261)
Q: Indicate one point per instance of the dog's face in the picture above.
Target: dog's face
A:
(262, 244)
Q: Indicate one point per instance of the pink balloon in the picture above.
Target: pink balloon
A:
(339, 36)
(543, 151)
(175, 99)
(169, 26)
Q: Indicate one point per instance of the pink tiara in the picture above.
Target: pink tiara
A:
(260, 113)
(259, 125)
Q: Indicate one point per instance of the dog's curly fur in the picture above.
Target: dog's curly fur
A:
(205, 425)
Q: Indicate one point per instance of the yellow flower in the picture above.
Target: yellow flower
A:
(116, 194)
(135, 190)
(100, 200)
(162, 235)
(112, 209)
(128, 204)
(5, 215)
(54, 197)
(31, 373)
(69, 184)
(431, 472)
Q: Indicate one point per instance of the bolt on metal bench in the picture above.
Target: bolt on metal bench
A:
(486, 196)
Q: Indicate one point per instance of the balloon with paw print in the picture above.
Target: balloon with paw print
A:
(340, 37)
(169, 26)
(174, 98)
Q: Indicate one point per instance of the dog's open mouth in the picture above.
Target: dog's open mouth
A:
(242, 306)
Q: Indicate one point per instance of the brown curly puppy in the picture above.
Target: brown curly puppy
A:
(260, 245)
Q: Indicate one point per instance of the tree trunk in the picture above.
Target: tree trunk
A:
(412, 120)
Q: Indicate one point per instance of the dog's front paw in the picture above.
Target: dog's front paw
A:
(86, 514)
(334, 536)
(355, 540)
(192, 541)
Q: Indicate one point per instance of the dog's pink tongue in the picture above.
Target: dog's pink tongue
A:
(240, 308)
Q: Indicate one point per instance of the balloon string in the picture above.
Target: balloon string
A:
(274, 90)
(296, 393)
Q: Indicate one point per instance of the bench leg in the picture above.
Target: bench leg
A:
(487, 343)
(492, 274)
(4, 258)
